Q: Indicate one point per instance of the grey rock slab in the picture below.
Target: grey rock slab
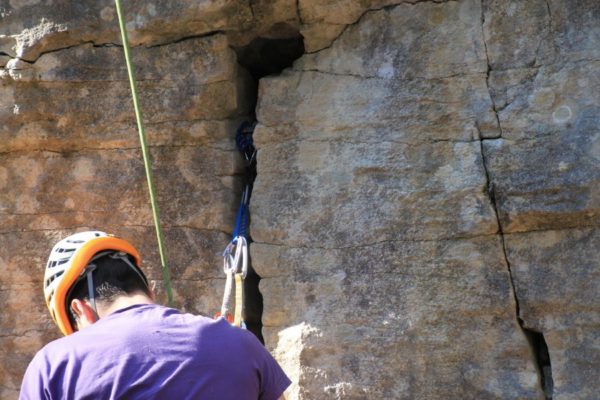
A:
(555, 100)
(338, 106)
(324, 20)
(340, 193)
(541, 32)
(557, 281)
(410, 72)
(424, 40)
(398, 320)
(546, 183)
(575, 29)
(200, 60)
(517, 34)
(271, 19)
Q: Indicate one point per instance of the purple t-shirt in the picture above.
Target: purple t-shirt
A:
(153, 352)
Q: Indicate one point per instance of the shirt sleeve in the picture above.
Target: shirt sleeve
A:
(274, 381)
(33, 386)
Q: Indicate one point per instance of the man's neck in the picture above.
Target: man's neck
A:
(123, 302)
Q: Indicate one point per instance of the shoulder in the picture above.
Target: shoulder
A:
(52, 357)
(54, 350)
(48, 361)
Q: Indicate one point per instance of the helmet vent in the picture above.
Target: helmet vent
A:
(53, 277)
(53, 264)
(64, 250)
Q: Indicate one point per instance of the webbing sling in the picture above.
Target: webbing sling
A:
(235, 263)
(146, 156)
(235, 256)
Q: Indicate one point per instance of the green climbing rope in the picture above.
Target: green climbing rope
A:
(146, 155)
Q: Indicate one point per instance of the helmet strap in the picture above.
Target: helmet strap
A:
(90, 284)
(123, 257)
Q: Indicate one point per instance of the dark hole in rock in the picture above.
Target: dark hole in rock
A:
(542, 358)
(263, 57)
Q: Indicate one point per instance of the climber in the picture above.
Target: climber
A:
(120, 345)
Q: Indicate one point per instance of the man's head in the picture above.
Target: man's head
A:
(88, 271)
(113, 275)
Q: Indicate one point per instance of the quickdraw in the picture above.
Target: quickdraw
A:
(235, 256)
(235, 266)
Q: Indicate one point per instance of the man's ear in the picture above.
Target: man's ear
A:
(84, 313)
(152, 290)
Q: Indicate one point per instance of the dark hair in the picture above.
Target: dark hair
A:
(112, 277)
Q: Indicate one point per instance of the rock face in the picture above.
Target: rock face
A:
(71, 161)
(425, 216)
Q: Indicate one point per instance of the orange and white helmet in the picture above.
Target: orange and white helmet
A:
(67, 265)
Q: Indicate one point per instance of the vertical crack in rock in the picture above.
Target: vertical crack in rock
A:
(298, 12)
(263, 57)
(535, 339)
(549, 16)
(488, 71)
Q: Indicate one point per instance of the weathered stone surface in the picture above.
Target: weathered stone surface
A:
(559, 99)
(517, 33)
(401, 320)
(333, 193)
(33, 27)
(540, 32)
(25, 324)
(544, 170)
(324, 20)
(271, 19)
(197, 102)
(545, 176)
(93, 190)
(383, 144)
(379, 109)
(447, 38)
(546, 184)
(213, 88)
(370, 177)
(557, 281)
(391, 89)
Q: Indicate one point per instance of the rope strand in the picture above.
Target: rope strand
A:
(146, 156)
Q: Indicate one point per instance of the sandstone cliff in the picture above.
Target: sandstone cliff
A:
(426, 211)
